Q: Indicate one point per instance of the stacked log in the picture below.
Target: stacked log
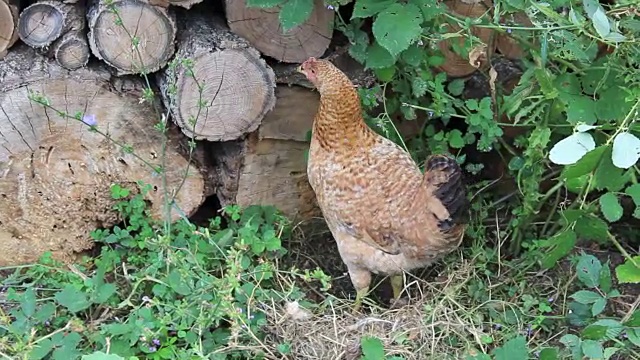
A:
(8, 25)
(59, 27)
(132, 36)
(55, 173)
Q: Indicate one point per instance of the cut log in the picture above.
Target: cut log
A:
(8, 25)
(46, 21)
(454, 64)
(226, 90)
(71, 51)
(269, 166)
(59, 27)
(261, 27)
(136, 38)
(55, 173)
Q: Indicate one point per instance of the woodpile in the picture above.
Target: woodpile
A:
(76, 116)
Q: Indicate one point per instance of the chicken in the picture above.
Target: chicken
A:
(384, 214)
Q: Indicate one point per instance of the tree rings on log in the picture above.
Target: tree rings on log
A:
(226, 90)
(72, 50)
(55, 173)
(44, 22)
(454, 64)
(8, 25)
(261, 27)
(269, 166)
(137, 38)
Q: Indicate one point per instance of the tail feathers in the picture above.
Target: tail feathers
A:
(444, 175)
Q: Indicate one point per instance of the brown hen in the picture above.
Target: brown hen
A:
(385, 215)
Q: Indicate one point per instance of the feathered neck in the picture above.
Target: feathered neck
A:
(338, 123)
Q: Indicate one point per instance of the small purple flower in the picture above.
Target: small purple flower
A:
(47, 323)
(152, 349)
(497, 326)
(537, 354)
(509, 30)
(156, 342)
(90, 119)
(430, 113)
(550, 299)
(330, 7)
(529, 331)
(624, 335)
(420, 43)
(145, 299)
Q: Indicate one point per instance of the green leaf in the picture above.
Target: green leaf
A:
(28, 302)
(629, 273)
(372, 348)
(456, 87)
(549, 354)
(607, 175)
(588, 270)
(601, 22)
(368, 8)
(264, 4)
(610, 207)
(591, 227)
(430, 9)
(69, 348)
(590, 7)
(413, 56)
(626, 150)
(294, 13)
(586, 296)
(585, 165)
(378, 57)
(592, 349)
(178, 283)
(634, 320)
(611, 104)
(605, 278)
(581, 109)
(456, 140)
(573, 343)
(41, 349)
(104, 292)
(514, 349)
(561, 243)
(99, 355)
(72, 299)
(545, 81)
(397, 27)
(634, 192)
(572, 148)
(598, 306)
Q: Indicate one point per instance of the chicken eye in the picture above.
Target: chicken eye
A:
(312, 71)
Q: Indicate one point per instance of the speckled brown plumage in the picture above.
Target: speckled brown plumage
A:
(385, 215)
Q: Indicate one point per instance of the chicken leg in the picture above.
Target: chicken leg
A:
(361, 280)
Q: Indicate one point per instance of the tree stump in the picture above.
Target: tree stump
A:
(132, 36)
(261, 27)
(8, 25)
(226, 90)
(55, 173)
(269, 166)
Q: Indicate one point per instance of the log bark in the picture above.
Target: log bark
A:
(226, 91)
(261, 27)
(55, 173)
(269, 166)
(9, 10)
(137, 38)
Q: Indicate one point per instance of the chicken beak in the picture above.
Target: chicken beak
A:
(299, 69)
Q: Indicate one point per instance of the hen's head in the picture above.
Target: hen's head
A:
(324, 76)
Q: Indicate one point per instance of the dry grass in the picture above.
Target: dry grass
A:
(440, 322)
